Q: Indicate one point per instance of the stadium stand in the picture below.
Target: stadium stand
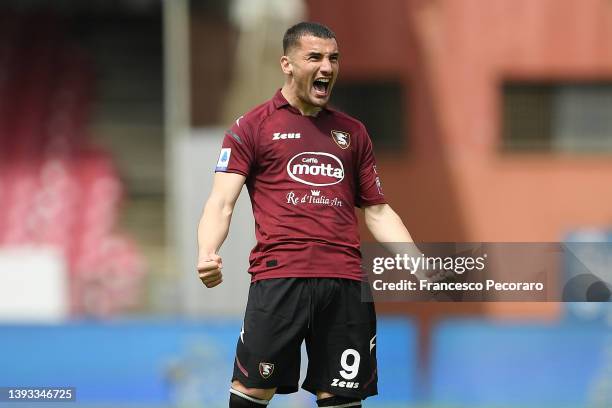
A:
(56, 188)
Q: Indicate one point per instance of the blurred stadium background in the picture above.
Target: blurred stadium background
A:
(491, 119)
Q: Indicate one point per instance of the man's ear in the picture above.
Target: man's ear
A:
(286, 65)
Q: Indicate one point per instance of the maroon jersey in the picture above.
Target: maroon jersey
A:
(304, 175)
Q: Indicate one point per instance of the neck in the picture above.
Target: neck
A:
(291, 97)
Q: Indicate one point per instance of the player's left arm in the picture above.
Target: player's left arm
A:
(389, 230)
(385, 225)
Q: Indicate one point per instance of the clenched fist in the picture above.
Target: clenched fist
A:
(209, 270)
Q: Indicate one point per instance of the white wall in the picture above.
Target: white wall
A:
(33, 285)
(195, 160)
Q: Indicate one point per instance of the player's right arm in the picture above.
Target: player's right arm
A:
(214, 225)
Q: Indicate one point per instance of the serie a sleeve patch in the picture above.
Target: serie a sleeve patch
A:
(224, 158)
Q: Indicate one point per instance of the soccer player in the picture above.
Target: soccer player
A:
(306, 167)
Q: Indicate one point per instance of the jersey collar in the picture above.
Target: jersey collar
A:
(279, 102)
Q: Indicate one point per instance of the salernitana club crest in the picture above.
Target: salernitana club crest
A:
(266, 370)
(342, 139)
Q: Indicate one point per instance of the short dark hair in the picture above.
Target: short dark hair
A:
(294, 33)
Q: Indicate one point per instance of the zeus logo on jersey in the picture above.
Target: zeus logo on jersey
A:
(316, 169)
(224, 158)
(283, 136)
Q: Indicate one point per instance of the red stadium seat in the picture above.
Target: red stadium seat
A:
(55, 189)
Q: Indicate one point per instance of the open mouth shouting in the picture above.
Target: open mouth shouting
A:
(321, 87)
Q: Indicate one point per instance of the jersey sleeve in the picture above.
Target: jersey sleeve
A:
(369, 191)
(237, 153)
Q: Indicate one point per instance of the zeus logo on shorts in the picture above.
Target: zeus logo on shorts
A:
(344, 384)
(316, 169)
(224, 158)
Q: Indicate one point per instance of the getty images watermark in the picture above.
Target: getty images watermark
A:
(484, 272)
(437, 273)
